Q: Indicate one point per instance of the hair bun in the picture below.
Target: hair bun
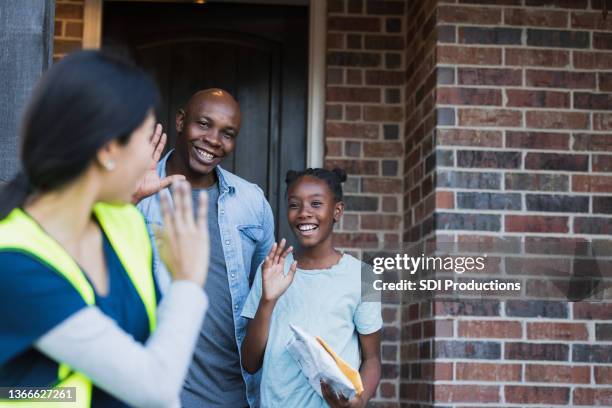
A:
(291, 176)
(340, 173)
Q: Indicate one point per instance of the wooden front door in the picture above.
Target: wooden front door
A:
(257, 53)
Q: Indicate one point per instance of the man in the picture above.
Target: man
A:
(241, 231)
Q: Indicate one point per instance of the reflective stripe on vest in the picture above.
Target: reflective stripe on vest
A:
(126, 231)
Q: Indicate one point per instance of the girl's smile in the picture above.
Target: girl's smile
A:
(312, 211)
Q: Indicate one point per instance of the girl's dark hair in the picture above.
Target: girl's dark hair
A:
(333, 178)
(84, 101)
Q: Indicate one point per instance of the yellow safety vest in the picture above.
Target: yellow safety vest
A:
(126, 231)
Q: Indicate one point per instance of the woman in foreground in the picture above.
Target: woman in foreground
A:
(78, 301)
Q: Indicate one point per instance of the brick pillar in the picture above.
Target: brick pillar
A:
(364, 135)
(523, 152)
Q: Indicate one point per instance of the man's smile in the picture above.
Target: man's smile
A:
(204, 156)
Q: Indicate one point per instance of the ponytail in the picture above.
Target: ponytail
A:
(14, 193)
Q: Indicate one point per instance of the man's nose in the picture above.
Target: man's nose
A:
(212, 138)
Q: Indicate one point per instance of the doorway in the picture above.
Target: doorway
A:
(259, 53)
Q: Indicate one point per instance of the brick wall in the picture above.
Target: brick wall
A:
(524, 140)
(506, 136)
(68, 30)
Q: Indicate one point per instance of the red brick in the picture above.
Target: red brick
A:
(387, 78)
(380, 222)
(593, 184)
(384, 185)
(536, 57)
(474, 15)
(387, 390)
(385, 7)
(489, 117)
(558, 373)
(489, 76)
(335, 41)
(602, 163)
(596, 311)
(382, 114)
(469, 137)
(465, 393)
(593, 397)
(488, 372)
(519, 394)
(602, 41)
(71, 11)
(557, 120)
(370, 24)
(571, 4)
(354, 77)
(490, 329)
(352, 130)
(592, 60)
(592, 101)
(66, 46)
(384, 42)
(536, 223)
(445, 199)
(57, 28)
(590, 20)
(535, 17)
(333, 112)
(594, 142)
(437, 371)
(561, 79)
(352, 112)
(333, 148)
(468, 96)
(353, 94)
(382, 149)
(448, 54)
(355, 240)
(603, 375)
(557, 331)
(537, 140)
(74, 29)
(537, 99)
(605, 82)
(389, 204)
(364, 167)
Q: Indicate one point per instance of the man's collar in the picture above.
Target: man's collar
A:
(224, 183)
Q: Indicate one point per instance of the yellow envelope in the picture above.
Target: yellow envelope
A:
(350, 372)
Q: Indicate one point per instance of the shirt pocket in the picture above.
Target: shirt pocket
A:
(251, 232)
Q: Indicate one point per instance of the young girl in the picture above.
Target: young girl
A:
(317, 289)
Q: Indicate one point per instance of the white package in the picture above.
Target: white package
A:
(316, 363)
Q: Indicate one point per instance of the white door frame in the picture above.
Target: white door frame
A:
(317, 28)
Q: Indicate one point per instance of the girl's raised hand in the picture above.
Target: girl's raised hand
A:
(274, 280)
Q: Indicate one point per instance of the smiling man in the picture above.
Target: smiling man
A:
(241, 228)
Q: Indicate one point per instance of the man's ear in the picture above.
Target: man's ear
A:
(180, 120)
(338, 211)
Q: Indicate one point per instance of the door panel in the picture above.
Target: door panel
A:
(257, 53)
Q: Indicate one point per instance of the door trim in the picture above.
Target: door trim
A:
(317, 30)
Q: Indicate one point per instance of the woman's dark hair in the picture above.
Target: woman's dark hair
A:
(84, 101)
(333, 178)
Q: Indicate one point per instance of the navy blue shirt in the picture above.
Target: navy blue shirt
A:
(34, 298)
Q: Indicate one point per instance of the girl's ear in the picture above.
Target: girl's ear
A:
(338, 211)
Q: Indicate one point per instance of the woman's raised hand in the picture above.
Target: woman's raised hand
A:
(151, 183)
(184, 244)
(274, 280)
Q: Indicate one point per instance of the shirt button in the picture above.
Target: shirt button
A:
(227, 242)
(236, 307)
(233, 275)
(222, 212)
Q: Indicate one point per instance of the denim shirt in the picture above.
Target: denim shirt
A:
(246, 225)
